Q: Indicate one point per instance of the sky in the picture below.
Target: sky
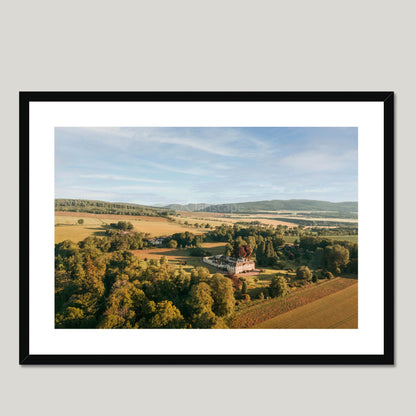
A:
(160, 166)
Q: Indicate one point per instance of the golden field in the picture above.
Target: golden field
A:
(66, 227)
(339, 310)
(216, 219)
(265, 314)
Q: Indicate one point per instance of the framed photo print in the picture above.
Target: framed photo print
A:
(206, 228)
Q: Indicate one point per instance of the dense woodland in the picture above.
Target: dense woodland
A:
(97, 288)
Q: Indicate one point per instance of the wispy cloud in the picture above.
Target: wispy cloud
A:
(119, 178)
(319, 161)
(191, 171)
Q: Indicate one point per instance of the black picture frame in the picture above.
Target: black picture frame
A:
(387, 358)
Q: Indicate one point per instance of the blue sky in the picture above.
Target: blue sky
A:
(158, 166)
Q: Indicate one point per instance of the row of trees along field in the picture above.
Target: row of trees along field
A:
(101, 207)
(269, 247)
(95, 288)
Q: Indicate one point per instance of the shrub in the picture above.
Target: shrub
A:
(278, 287)
(328, 275)
(172, 244)
(303, 273)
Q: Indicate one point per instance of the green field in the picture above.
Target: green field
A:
(339, 310)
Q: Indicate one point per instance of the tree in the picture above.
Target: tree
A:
(173, 244)
(223, 294)
(278, 287)
(207, 319)
(200, 298)
(336, 257)
(249, 251)
(71, 318)
(260, 253)
(228, 250)
(80, 221)
(200, 274)
(304, 273)
(167, 315)
(244, 288)
(240, 251)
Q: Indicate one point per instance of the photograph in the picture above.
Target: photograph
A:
(206, 227)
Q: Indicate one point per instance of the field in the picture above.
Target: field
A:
(181, 256)
(216, 219)
(259, 312)
(350, 238)
(66, 227)
(339, 310)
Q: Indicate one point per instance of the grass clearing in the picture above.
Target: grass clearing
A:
(339, 310)
(261, 311)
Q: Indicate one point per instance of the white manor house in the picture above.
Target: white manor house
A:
(230, 264)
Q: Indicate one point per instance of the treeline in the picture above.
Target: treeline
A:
(98, 289)
(313, 223)
(334, 214)
(283, 205)
(346, 230)
(185, 239)
(115, 208)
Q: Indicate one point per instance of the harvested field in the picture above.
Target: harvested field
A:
(339, 310)
(66, 227)
(217, 219)
(268, 309)
(111, 217)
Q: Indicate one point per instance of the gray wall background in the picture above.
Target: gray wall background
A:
(212, 45)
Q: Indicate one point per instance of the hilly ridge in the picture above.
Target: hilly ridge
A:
(272, 205)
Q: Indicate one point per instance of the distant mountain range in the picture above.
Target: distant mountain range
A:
(274, 205)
